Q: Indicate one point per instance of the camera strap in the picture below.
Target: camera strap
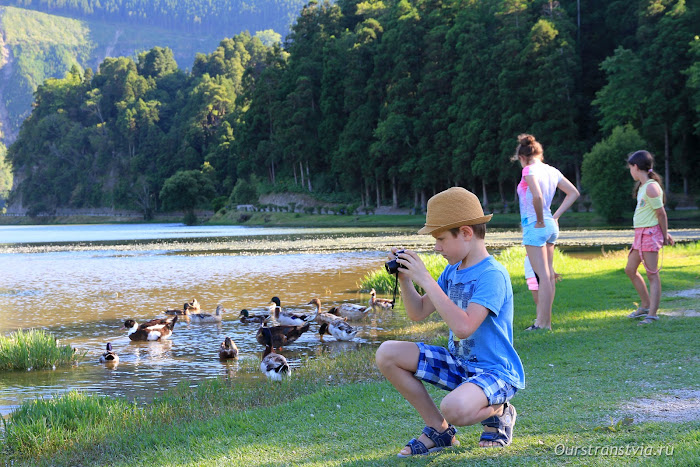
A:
(396, 286)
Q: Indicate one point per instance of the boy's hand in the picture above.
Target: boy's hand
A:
(413, 267)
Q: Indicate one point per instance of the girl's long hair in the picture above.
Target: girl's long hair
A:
(644, 160)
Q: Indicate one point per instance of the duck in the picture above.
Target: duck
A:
(228, 349)
(187, 308)
(324, 317)
(375, 302)
(339, 329)
(208, 317)
(287, 318)
(110, 356)
(246, 317)
(273, 365)
(351, 311)
(281, 335)
(153, 330)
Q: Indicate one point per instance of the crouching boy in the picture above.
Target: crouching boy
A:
(473, 295)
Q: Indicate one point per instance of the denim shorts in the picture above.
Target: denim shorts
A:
(437, 366)
(533, 236)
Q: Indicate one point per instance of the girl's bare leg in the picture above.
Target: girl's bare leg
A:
(540, 264)
(632, 271)
(651, 261)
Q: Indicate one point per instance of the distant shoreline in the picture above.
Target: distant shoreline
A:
(678, 219)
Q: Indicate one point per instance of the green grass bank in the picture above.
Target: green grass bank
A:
(597, 381)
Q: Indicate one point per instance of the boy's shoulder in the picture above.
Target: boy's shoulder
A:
(487, 264)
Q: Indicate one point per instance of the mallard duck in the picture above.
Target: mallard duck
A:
(110, 356)
(228, 349)
(339, 329)
(351, 311)
(208, 317)
(246, 317)
(287, 318)
(323, 317)
(273, 365)
(187, 308)
(375, 302)
(153, 330)
(281, 335)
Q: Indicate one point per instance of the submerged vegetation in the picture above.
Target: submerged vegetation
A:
(592, 368)
(33, 349)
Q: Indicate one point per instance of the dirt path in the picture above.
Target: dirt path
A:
(7, 135)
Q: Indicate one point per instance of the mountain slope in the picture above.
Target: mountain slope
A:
(39, 46)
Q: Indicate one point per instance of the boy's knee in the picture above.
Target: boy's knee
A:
(458, 414)
(384, 353)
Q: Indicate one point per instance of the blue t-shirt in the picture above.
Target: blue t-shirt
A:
(490, 347)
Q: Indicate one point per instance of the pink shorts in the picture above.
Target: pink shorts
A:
(532, 283)
(648, 238)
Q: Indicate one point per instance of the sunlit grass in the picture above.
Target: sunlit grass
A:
(383, 282)
(34, 349)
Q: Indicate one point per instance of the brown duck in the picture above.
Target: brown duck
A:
(280, 335)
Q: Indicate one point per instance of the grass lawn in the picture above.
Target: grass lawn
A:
(598, 381)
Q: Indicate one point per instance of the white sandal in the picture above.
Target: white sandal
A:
(639, 313)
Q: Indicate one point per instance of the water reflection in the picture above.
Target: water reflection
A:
(83, 298)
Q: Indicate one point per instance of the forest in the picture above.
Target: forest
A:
(211, 16)
(378, 103)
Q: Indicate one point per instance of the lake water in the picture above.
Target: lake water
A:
(81, 283)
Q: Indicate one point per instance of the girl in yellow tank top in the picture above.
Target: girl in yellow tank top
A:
(650, 235)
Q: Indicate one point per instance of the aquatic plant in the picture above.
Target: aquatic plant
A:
(383, 282)
(34, 349)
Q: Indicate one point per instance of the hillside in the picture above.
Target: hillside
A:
(35, 46)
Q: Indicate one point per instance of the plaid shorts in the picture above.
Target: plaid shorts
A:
(437, 366)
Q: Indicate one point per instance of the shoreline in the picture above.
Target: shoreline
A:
(678, 219)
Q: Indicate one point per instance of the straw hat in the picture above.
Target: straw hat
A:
(452, 208)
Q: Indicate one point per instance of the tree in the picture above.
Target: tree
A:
(605, 174)
(187, 190)
(5, 177)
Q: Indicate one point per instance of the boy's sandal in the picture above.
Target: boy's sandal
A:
(504, 427)
(648, 320)
(442, 440)
(533, 327)
(639, 313)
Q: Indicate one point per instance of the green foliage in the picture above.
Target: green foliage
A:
(383, 282)
(6, 177)
(186, 190)
(244, 192)
(369, 105)
(606, 175)
(34, 349)
(219, 17)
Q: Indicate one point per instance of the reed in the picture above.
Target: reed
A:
(34, 349)
(383, 282)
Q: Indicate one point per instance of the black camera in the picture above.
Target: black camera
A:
(392, 267)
